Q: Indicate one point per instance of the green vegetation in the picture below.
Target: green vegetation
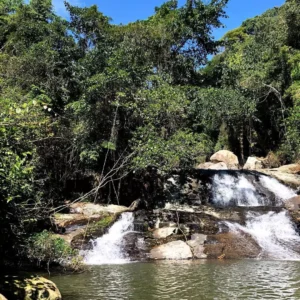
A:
(86, 106)
(46, 248)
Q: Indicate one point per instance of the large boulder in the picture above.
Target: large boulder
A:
(253, 163)
(176, 250)
(227, 157)
(232, 246)
(32, 288)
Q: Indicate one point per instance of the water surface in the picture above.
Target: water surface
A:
(207, 279)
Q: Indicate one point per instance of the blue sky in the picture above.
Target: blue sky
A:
(125, 11)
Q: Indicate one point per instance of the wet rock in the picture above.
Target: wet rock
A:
(293, 204)
(231, 246)
(176, 250)
(197, 245)
(162, 233)
(137, 246)
(227, 157)
(253, 163)
(33, 288)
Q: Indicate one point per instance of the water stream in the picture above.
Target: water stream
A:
(274, 232)
(108, 248)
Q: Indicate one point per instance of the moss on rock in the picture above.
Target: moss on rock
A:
(32, 288)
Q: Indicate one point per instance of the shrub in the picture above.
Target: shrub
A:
(47, 248)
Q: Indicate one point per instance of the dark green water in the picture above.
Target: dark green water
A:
(185, 280)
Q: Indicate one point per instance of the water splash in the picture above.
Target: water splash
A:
(275, 234)
(108, 249)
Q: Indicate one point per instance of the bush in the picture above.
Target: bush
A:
(46, 248)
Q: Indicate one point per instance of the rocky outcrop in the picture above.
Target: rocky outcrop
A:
(231, 246)
(85, 222)
(196, 226)
(176, 250)
(33, 288)
(227, 157)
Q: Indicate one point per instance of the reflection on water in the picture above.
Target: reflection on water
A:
(185, 280)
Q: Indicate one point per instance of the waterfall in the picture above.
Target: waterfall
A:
(280, 191)
(229, 190)
(274, 232)
(236, 191)
(108, 249)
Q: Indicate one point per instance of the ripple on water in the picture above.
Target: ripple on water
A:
(204, 280)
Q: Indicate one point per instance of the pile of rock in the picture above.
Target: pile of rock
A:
(222, 160)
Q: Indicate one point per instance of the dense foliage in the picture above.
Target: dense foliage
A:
(86, 105)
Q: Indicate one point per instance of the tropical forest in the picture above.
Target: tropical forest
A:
(150, 142)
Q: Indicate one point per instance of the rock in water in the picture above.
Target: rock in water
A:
(227, 157)
(32, 288)
(174, 250)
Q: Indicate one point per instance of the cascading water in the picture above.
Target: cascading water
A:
(108, 249)
(281, 191)
(274, 232)
(235, 191)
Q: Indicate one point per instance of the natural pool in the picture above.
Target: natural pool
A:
(205, 279)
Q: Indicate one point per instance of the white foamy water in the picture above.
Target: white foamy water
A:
(274, 232)
(278, 189)
(238, 191)
(108, 249)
